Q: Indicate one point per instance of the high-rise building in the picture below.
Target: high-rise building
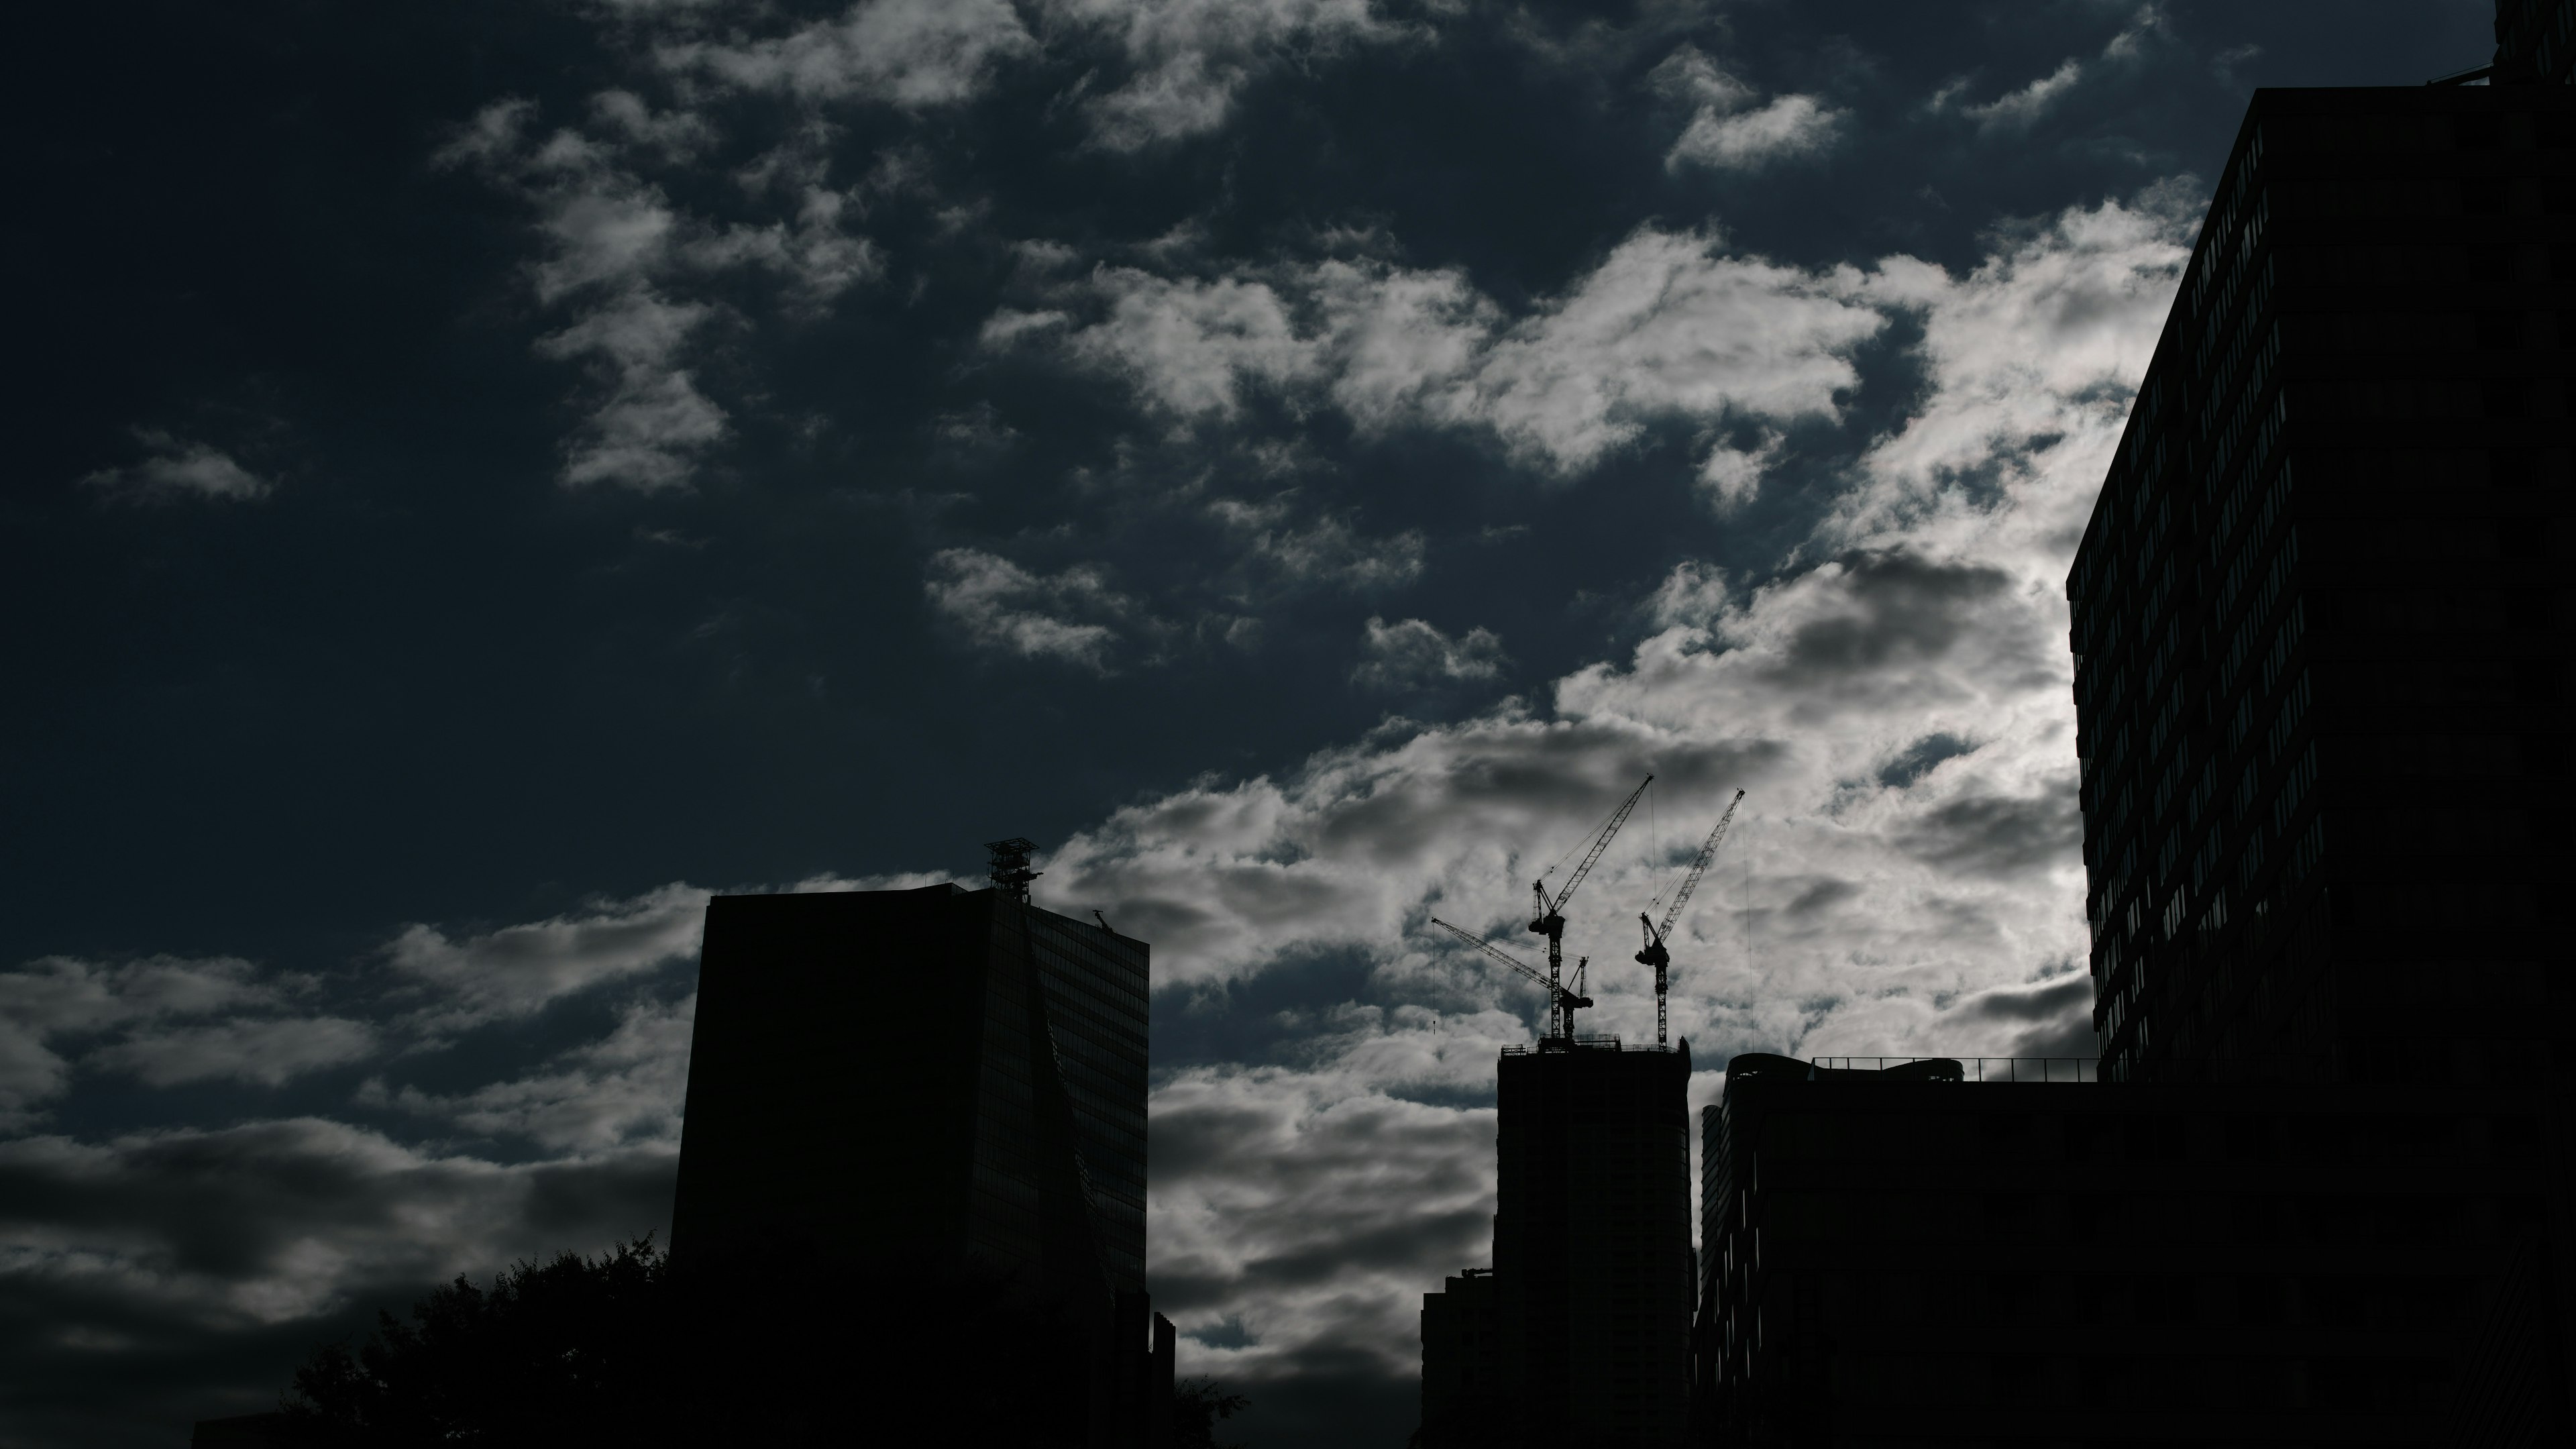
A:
(1917, 1256)
(1592, 1254)
(929, 1082)
(2321, 617)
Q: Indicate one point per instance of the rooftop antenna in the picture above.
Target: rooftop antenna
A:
(1011, 874)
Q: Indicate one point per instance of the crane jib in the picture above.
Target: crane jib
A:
(1600, 843)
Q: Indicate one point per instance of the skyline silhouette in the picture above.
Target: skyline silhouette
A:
(500, 477)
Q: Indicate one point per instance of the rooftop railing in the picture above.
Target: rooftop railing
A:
(1984, 1069)
(1586, 1041)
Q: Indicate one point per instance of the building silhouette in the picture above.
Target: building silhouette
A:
(2535, 42)
(1592, 1255)
(1464, 1393)
(935, 1086)
(1903, 1256)
(2319, 614)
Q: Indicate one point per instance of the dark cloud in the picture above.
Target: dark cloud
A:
(1999, 835)
(1904, 606)
(2051, 1019)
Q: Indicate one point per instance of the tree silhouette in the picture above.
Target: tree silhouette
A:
(784, 1345)
(576, 1348)
(1197, 1405)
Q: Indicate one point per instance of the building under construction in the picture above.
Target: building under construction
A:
(1580, 1333)
(938, 1087)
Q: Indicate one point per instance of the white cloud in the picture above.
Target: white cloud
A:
(621, 257)
(1411, 653)
(267, 1052)
(2021, 108)
(2018, 108)
(651, 422)
(1930, 608)
(1788, 126)
(1004, 606)
(1668, 325)
(1731, 476)
(909, 53)
(615, 1093)
(178, 469)
(1188, 59)
(1185, 61)
(57, 1010)
(1189, 345)
(1722, 134)
(518, 970)
(1329, 551)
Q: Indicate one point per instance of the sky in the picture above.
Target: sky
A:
(489, 474)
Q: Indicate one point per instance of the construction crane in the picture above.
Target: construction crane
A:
(1655, 955)
(1548, 917)
(1560, 1002)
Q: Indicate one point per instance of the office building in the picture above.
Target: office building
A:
(1592, 1253)
(1905, 1257)
(2320, 615)
(901, 1084)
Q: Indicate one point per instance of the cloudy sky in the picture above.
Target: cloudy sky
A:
(489, 474)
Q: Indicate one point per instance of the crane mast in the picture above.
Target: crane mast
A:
(1654, 954)
(1561, 1003)
(1547, 917)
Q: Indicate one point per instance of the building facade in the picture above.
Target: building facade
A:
(940, 1087)
(1592, 1252)
(1904, 1257)
(2320, 615)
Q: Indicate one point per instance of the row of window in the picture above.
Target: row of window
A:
(2249, 552)
(2245, 357)
(2227, 243)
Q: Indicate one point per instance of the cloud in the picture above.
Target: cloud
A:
(59, 1012)
(266, 1052)
(1001, 605)
(1725, 136)
(1188, 60)
(621, 257)
(518, 970)
(1190, 345)
(620, 1092)
(1668, 325)
(909, 53)
(179, 469)
(1328, 552)
(1731, 476)
(650, 422)
(1412, 654)
(1856, 894)
(1174, 67)
(183, 1273)
(2019, 108)
(1293, 1204)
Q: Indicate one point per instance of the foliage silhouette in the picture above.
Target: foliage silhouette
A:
(1197, 1405)
(788, 1344)
(570, 1349)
